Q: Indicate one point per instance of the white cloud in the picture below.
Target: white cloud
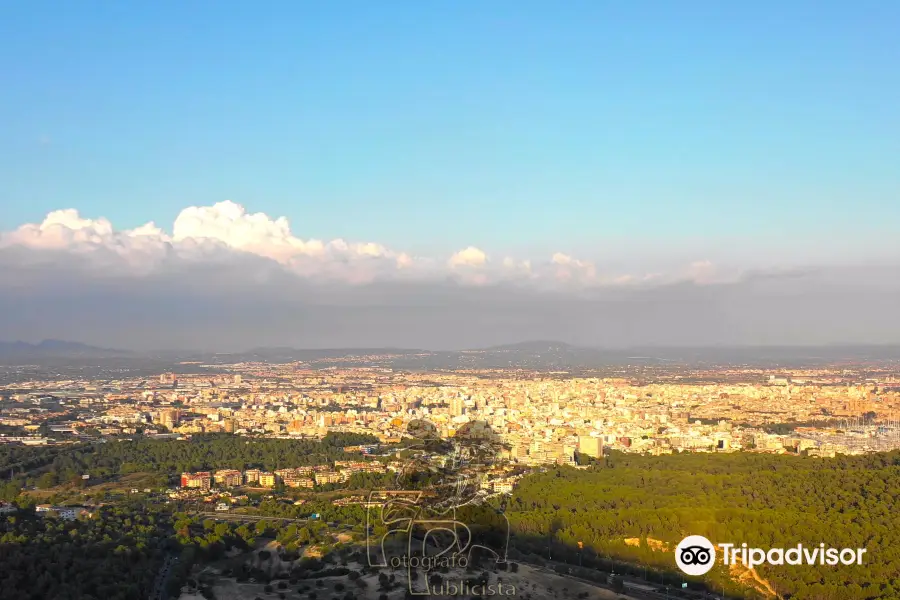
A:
(702, 271)
(518, 269)
(207, 232)
(228, 223)
(570, 269)
(71, 276)
(226, 231)
(62, 229)
(468, 257)
(149, 230)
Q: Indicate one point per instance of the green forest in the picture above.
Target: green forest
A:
(115, 555)
(764, 500)
(48, 466)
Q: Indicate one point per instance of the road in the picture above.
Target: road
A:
(629, 591)
(226, 516)
(162, 578)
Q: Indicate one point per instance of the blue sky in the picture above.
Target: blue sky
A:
(521, 126)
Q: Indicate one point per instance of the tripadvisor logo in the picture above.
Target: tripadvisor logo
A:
(696, 555)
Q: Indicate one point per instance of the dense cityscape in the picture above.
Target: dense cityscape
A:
(544, 417)
(328, 436)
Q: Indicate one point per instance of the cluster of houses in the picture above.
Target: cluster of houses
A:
(66, 513)
(296, 477)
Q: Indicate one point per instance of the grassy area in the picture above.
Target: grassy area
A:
(122, 484)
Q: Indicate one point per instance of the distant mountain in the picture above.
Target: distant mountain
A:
(535, 355)
(310, 354)
(56, 349)
(536, 346)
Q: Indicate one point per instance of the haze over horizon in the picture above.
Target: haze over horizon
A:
(56, 348)
(431, 177)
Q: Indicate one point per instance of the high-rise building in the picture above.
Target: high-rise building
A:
(519, 451)
(457, 406)
(169, 418)
(590, 446)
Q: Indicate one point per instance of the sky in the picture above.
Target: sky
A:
(607, 173)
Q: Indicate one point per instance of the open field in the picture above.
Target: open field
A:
(122, 484)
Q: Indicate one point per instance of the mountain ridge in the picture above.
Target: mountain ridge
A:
(537, 353)
(57, 348)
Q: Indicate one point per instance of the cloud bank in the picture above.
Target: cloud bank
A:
(222, 278)
(226, 230)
